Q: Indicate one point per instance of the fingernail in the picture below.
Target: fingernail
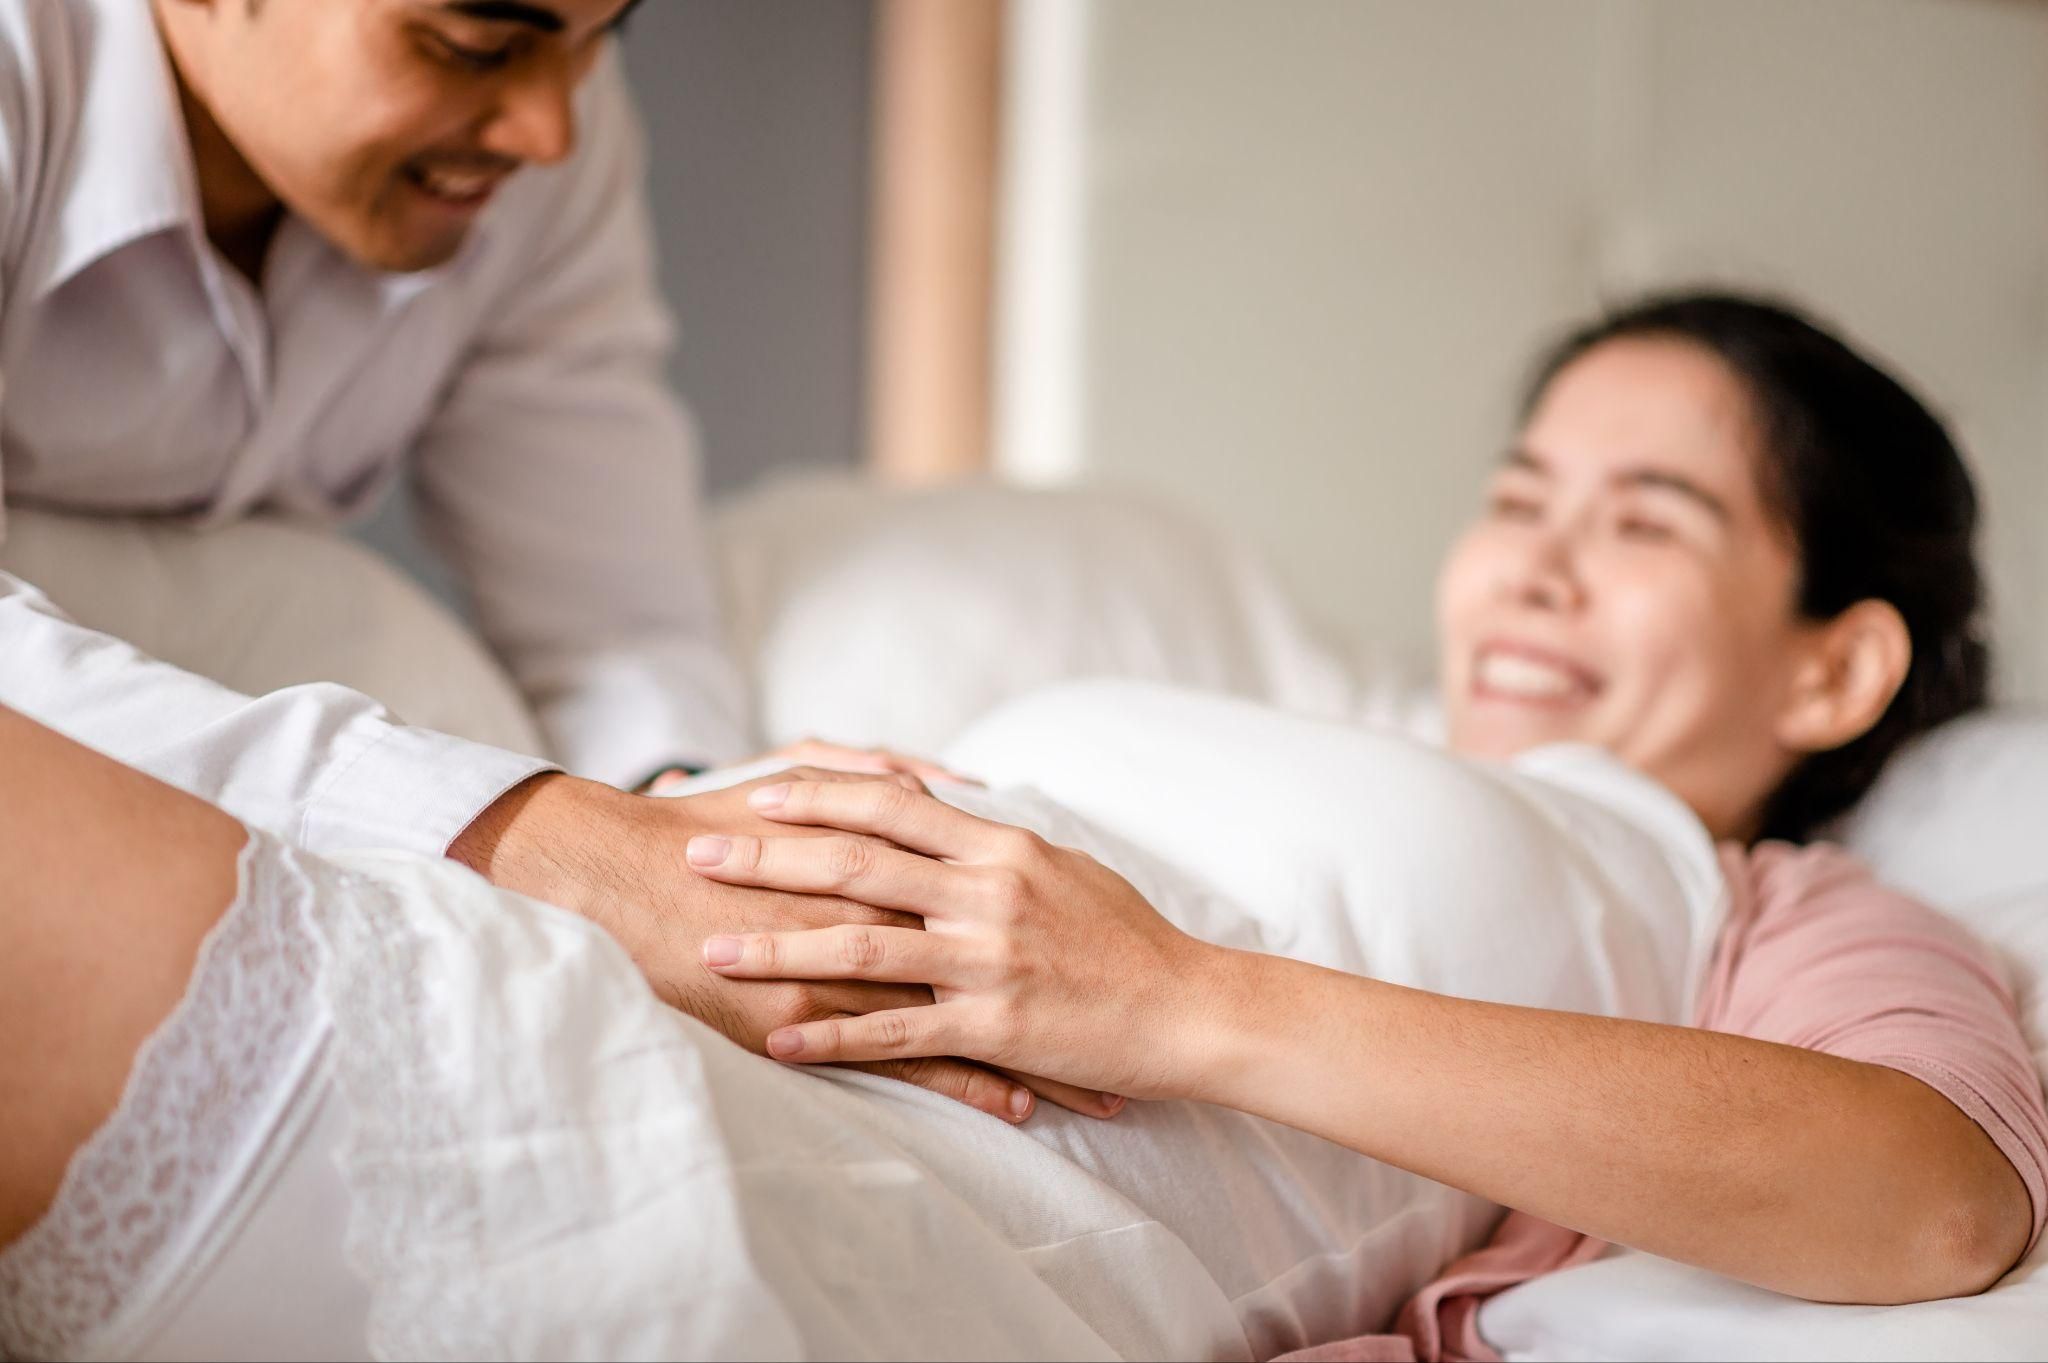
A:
(769, 797)
(708, 851)
(722, 951)
(784, 1044)
(1112, 1103)
(1020, 1104)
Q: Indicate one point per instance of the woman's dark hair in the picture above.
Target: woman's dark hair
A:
(1877, 499)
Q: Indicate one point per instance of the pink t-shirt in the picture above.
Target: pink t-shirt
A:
(1815, 954)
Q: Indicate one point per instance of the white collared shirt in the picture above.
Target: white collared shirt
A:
(521, 385)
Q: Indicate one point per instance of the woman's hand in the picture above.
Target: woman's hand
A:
(611, 857)
(1039, 957)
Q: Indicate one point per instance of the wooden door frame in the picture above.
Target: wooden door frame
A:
(932, 230)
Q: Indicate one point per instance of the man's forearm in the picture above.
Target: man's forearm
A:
(320, 766)
(579, 845)
(1799, 1171)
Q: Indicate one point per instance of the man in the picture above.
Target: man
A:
(261, 253)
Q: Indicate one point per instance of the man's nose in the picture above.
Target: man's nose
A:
(536, 119)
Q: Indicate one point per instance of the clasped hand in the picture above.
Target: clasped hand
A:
(1039, 957)
(615, 859)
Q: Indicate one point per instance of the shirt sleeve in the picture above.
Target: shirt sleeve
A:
(319, 765)
(560, 478)
(1824, 957)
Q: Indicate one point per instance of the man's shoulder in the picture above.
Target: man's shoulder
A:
(44, 41)
(47, 48)
(43, 51)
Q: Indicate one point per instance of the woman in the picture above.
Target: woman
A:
(532, 1156)
(1736, 555)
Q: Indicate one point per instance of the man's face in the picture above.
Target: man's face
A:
(388, 124)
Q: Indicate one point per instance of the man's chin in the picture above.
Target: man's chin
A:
(403, 253)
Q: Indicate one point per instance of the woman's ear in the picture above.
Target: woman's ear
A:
(1856, 664)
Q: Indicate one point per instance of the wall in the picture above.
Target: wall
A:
(758, 116)
(1289, 262)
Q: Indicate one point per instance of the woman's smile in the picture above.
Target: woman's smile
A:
(1511, 672)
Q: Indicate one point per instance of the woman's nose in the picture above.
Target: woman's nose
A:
(1546, 576)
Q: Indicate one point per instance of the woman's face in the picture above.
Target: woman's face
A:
(1627, 586)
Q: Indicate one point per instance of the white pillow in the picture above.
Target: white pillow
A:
(1958, 820)
(882, 616)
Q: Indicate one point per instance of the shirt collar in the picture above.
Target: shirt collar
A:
(130, 174)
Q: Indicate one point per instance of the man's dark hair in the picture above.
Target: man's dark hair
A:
(1876, 497)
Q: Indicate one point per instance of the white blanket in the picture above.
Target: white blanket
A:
(550, 1163)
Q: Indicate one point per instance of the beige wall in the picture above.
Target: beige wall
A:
(1289, 260)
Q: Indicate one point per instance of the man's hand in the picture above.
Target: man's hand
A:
(617, 859)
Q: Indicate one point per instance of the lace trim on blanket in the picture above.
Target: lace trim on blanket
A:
(204, 1091)
(465, 1055)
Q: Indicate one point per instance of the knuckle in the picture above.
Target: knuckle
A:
(743, 853)
(978, 1088)
(1003, 1020)
(926, 1073)
(1026, 847)
(949, 1079)
(767, 953)
(891, 1031)
(849, 860)
(1004, 960)
(860, 950)
(891, 801)
(1006, 889)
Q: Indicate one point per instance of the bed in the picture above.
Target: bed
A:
(946, 603)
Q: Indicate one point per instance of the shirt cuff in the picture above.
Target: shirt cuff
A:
(412, 790)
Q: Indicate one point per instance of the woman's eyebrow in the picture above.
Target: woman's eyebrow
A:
(1528, 461)
(1665, 480)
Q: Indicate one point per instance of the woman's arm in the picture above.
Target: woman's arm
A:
(1808, 1174)
(1802, 1172)
(111, 881)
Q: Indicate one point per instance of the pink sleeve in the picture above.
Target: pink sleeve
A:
(1820, 955)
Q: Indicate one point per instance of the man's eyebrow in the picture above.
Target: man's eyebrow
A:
(1525, 459)
(510, 12)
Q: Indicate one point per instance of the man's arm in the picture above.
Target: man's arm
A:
(560, 478)
(319, 765)
(328, 769)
